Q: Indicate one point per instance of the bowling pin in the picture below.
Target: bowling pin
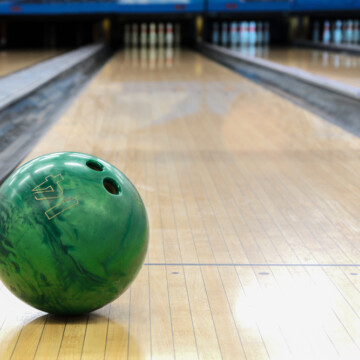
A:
(152, 57)
(337, 37)
(224, 34)
(169, 34)
(134, 56)
(326, 32)
(244, 33)
(356, 34)
(134, 35)
(316, 34)
(266, 34)
(233, 34)
(259, 51)
(239, 33)
(161, 34)
(169, 57)
(344, 29)
(152, 35)
(252, 33)
(143, 34)
(259, 33)
(161, 55)
(143, 57)
(215, 33)
(252, 50)
(349, 32)
(177, 34)
(127, 35)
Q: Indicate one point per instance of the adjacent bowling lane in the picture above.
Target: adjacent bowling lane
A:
(341, 67)
(14, 60)
(253, 205)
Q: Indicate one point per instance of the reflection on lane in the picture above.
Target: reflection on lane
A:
(151, 57)
(336, 66)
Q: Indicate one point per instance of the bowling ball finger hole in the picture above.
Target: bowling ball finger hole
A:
(112, 186)
(94, 165)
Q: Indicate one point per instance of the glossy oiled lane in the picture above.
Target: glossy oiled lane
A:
(254, 215)
(14, 60)
(336, 66)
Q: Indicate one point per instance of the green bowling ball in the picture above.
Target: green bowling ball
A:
(73, 233)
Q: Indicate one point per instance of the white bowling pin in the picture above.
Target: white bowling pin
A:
(169, 57)
(143, 57)
(152, 34)
(252, 33)
(316, 34)
(244, 30)
(161, 55)
(239, 32)
(177, 34)
(127, 34)
(233, 34)
(224, 34)
(169, 34)
(161, 34)
(337, 37)
(356, 34)
(252, 50)
(134, 56)
(259, 33)
(326, 32)
(134, 35)
(215, 33)
(349, 32)
(152, 57)
(143, 34)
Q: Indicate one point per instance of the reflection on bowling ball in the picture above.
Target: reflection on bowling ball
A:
(73, 233)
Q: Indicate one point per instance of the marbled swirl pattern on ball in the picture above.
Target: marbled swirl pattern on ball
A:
(67, 245)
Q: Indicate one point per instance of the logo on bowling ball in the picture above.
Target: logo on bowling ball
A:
(50, 189)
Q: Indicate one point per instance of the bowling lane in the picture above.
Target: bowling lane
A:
(253, 205)
(341, 67)
(14, 60)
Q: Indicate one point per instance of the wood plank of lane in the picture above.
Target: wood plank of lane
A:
(275, 345)
(230, 340)
(139, 318)
(20, 327)
(242, 308)
(73, 338)
(341, 322)
(50, 341)
(29, 338)
(117, 343)
(96, 334)
(162, 333)
(287, 308)
(181, 315)
(207, 340)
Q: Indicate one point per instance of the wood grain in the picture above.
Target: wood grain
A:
(254, 208)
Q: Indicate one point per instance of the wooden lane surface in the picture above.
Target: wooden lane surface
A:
(14, 60)
(254, 213)
(341, 67)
